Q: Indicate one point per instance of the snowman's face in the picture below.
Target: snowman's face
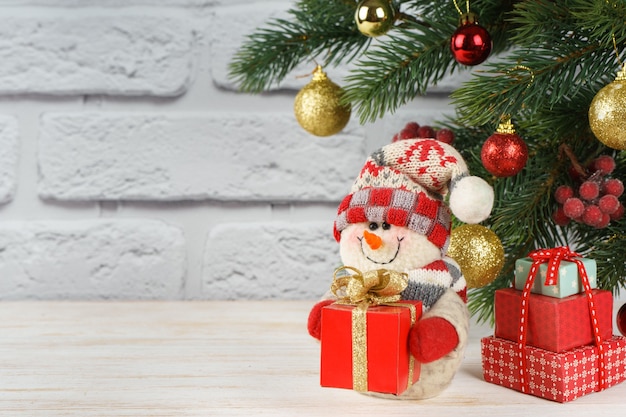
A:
(370, 245)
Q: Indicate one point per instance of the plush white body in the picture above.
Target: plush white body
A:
(404, 250)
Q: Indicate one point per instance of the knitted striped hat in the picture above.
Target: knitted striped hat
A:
(404, 184)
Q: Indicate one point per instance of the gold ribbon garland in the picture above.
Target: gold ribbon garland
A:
(363, 290)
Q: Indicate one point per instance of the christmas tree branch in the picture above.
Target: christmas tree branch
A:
(318, 28)
(413, 57)
(394, 72)
(559, 54)
(552, 55)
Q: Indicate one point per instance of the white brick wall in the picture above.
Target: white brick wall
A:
(122, 55)
(218, 156)
(91, 259)
(9, 155)
(131, 169)
(283, 260)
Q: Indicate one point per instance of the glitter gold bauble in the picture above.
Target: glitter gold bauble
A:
(374, 17)
(318, 106)
(607, 113)
(479, 253)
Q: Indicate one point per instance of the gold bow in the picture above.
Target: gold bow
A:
(373, 287)
(381, 286)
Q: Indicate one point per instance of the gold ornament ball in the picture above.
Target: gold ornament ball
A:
(479, 253)
(318, 106)
(607, 113)
(374, 17)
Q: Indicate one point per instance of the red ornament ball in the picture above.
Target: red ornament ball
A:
(470, 44)
(621, 320)
(504, 154)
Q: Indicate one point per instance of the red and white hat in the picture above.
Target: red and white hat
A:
(404, 184)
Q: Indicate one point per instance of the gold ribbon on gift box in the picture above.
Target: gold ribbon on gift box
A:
(363, 290)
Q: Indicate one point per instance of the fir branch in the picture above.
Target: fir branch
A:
(522, 213)
(413, 57)
(553, 42)
(554, 76)
(394, 72)
(605, 18)
(572, 48)
(536, 22)
(607, 247)
(316, 28)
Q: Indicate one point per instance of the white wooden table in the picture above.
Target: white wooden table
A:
(214, 359)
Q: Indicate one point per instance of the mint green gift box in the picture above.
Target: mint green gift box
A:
(568, 283)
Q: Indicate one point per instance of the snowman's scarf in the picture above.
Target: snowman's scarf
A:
(430, 282)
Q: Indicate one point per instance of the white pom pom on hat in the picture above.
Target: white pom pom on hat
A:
(404, 184)
(471, 199)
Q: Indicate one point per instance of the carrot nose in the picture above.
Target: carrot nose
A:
(373, 241)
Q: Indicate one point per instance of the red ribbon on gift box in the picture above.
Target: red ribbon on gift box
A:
(554, 257)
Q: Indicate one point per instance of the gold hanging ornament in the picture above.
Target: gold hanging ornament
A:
(607, 113)
(374, 17)
(479, 253)
(318, 106)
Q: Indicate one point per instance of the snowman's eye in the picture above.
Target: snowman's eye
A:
(386, 226)
(373, 226)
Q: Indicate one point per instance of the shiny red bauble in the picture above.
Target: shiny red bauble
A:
(621, 320)
(504, 154)
(470, 43)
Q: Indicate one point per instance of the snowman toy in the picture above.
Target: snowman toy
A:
(396, 218)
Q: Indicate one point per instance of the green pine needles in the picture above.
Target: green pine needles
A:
(549, 59)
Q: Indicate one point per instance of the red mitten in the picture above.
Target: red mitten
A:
(432, 338)
(314, 323)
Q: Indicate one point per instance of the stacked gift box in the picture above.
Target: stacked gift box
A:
(553, 330)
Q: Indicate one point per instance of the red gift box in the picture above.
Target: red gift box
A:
(555, 324)
(389, 361)
(559, 376)
(555, 376)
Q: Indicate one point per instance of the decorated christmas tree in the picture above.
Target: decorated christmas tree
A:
(543, 119)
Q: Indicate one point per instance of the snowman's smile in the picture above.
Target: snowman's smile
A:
(371, 253)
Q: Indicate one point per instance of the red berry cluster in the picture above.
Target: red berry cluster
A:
(413, 130)
(595, 202)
